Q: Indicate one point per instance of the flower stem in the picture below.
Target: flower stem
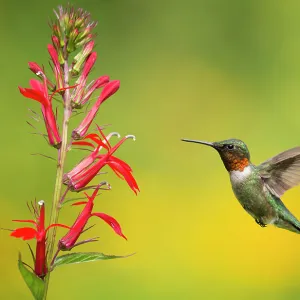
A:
(59, 173)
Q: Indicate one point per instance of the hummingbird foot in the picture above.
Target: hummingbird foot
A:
(261, 224)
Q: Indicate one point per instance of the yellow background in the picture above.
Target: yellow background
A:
(207, 70)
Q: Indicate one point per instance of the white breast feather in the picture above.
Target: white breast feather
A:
(239, 176)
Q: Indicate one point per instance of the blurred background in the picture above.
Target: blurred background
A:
(207, 70)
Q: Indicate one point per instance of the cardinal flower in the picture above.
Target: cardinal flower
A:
(38, 233)
(39, 92)
(70, 239)
(91, 165)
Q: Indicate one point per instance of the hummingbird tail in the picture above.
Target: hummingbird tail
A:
(293, 226)
(297, 228)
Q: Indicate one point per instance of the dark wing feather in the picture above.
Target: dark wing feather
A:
(282, 171)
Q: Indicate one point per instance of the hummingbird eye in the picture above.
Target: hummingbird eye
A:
(230, 146)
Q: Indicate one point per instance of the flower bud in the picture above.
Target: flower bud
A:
(57, 32)
(84, 41)
(81, 57)
(37, 70)
(79, 22)
(73, 27)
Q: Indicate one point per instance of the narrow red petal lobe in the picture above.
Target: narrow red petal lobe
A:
(118, 168)
(58, 225)
(25, 221)
(36, 85)
(79, 203)
(121, 162)
(94, 137)
(33, 94)
(113, 223)
(83, 144)
(25, 233)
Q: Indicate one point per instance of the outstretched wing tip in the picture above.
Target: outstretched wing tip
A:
(282, 171)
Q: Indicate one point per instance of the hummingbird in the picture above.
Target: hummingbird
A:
(258, 188)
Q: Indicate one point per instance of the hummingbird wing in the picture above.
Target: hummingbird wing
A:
(281, 172)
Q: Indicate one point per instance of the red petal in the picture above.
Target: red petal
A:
(25, 233)
(54, 56)
(34, 95)
(109, 89)
(96, 139)
(104, 137)
(37, 85)
(58, 225)
(113, 223)
(117, 173)
(118, 168)
(25, 221)
(83, 144)
(79, 203)
(92, 135)
(89, 64)
(121, 162)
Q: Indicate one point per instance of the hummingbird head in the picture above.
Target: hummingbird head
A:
(234, 153)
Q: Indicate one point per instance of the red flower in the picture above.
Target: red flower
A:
(39, 92)
(70, 239)
(29, 233)
(90, 166)
(108, 90)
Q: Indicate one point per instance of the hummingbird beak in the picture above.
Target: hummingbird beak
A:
(199, 142)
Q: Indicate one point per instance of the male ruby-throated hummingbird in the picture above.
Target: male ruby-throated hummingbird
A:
(258, 188)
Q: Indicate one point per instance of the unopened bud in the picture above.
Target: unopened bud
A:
(55, 42)
(79, 22)
(85, 40)
(89, 63)
(87, 50)
(69, 27)
(57, 32)
(73, 34)
(39, 71)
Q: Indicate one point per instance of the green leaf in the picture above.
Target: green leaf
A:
(35, 284)
(82, 257)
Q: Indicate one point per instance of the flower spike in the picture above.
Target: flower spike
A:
(72, 58)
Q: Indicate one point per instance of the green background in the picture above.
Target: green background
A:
(206, 70)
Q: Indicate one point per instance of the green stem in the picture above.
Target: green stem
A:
(59, 174)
